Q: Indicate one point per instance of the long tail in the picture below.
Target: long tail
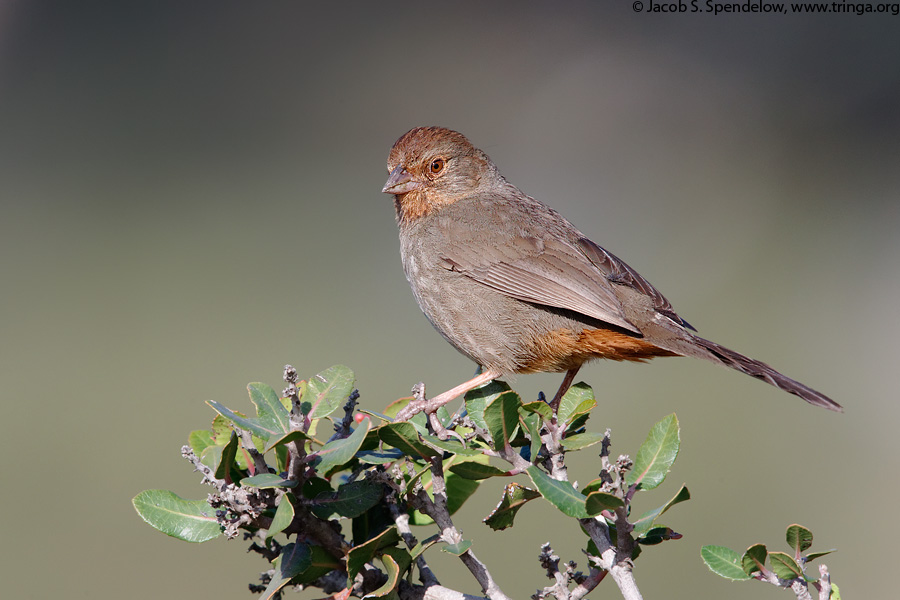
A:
(762, 371)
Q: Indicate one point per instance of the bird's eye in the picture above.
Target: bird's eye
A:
(436, 166)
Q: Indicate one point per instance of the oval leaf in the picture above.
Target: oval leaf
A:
(360, 554)
(267, 480)
(656, 455)
(293, 560)
(784, 566)
(350, 500)
(327, 391)
(799, 538)
(393, 577)
(270, 412)
(476, 470)
(579, 441)
(284, 515)
(457, 549)
(539, 407)
(341, 451)
(404, 437)
(476, 400)
(597, 502)
(502, 418)
(578, 400)
(514, 497)
(188, 520)
(724, 562)
(754, 559)
(560, 494)
(646, 521)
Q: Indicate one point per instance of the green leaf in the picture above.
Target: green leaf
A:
(281, 439)
(222, 427)
(270, 412)
(592, 486)
(502, 416)
(451, 446)
(784, 566)
(349, 501)
(227, 469)
(531, 423)
(459, 489)
(423, 545)
(253, 425)
(293, 560)
(798, 538)
(656, 455)
(754, 559)
(377, 415)
(405, 438)
(321, 564)
(267, 480)
(339, 452)
(200, 440)
(835, 592)
(724, 562)
(657, 535)
(560, 494)
(477, 400)
(315, 486)
(580, 441)
(380, 457)
(188, 520)
(401, 556)
(539, 407)
(327, 391)
(392, 569)
(475, 470)
(597, 502)
(646, 520)
(284, 515)
(514, 497)
(360, 554)
(211, 457)
(814, 555)
(578, 400)
(458, 548)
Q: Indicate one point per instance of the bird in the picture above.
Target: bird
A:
(517, 288)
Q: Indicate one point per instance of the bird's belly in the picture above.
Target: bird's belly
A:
(494, 330)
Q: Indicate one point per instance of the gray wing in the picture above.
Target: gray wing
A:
(542, 271)
(618, 272)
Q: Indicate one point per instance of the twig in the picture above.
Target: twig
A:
(621, 571)
(824, 583)
(342, 428)
(437, 510)
(586, 587)
(298, 421)
(259, 461)
(305, 523)
(550, 563)
(409, 591)
(401, 520)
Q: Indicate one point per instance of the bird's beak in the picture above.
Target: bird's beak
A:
(400, 182)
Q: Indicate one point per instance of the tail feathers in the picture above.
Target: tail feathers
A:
(762, 371)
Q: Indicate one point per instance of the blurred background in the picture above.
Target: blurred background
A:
(190, 198)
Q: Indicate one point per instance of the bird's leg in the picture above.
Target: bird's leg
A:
(564, 387)
(429, 406)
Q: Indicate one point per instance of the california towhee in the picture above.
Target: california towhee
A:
(516, 287)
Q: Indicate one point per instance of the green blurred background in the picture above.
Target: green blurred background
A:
(191, 199)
